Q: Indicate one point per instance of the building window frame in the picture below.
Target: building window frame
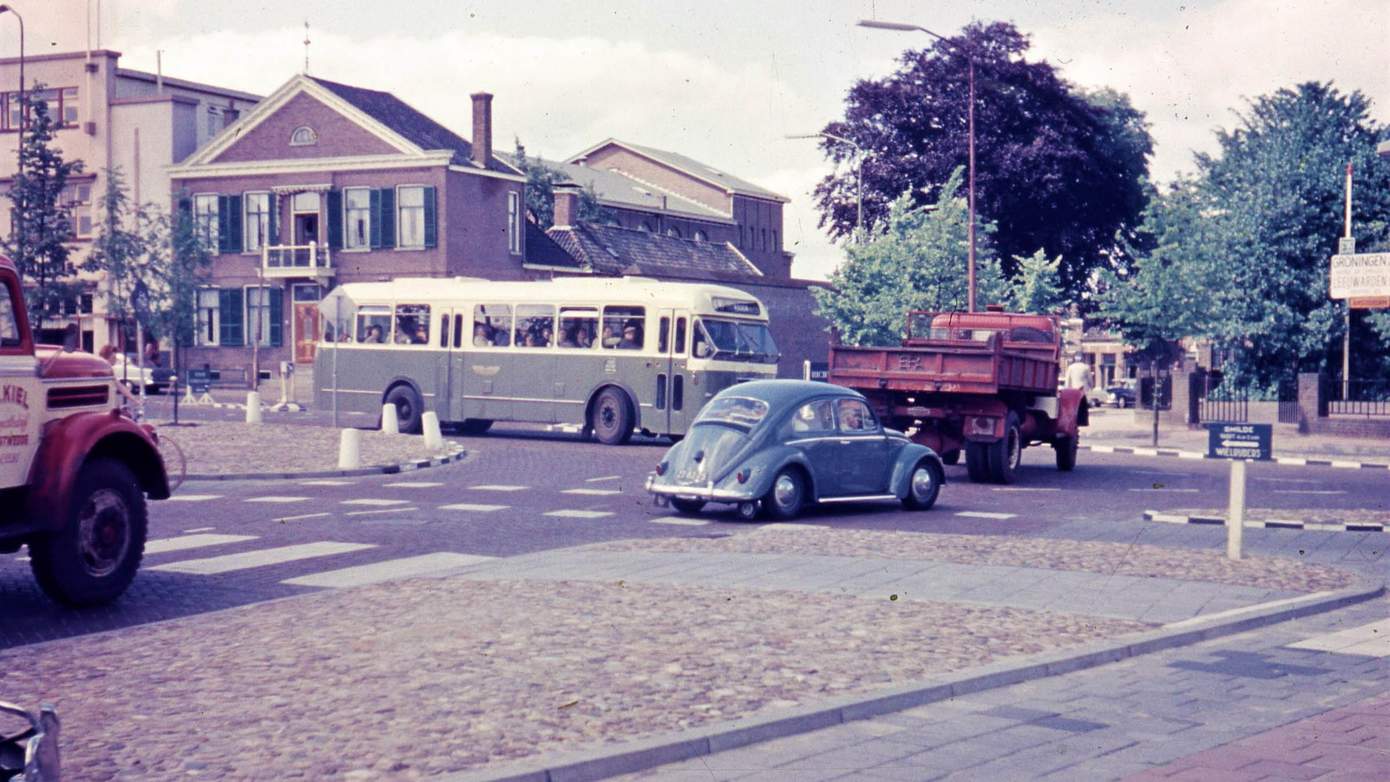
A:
(64, 107)
(260, 309)
(207, 329)
(417, 210)
(362, 214)
(513, 222)
(303, 136)
(206, 219)
(77, 198)
(255, 222)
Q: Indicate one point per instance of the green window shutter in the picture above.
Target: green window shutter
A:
(224, 228)
(431, 220)
(388, 217)
(376, 218)
(229, 331)
(277, 316)
(234, 221)
(335, 219)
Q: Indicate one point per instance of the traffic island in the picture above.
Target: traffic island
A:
(592, 661)
(224, 450)
(1308, 519)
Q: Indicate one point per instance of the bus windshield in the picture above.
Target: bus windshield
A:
(735, 339)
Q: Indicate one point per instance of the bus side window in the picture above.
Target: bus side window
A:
(458, 330)
(373, 325)
(492, 325)
(444, 330)
(412, 324)
(535, 325)
(623, 327)
(663, 333)
(577, 327)
(680, 336)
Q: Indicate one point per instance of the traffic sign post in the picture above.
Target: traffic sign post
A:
(1239, 443)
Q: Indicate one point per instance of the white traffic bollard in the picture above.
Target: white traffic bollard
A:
(1235, 513)
(434, 439)
(350, 449)
(253, 407)
(389, 423)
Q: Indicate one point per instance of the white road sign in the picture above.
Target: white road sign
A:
(1365, 274)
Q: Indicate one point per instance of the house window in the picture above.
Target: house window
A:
(262, 319)
(257, 223)
(208, 320)
(303, 136)
(410, 216)
(514, 223)
(357, 218)
(673, 232)
(78, 199)
(205, 217)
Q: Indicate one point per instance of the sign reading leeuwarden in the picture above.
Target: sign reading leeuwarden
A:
(1364, 274)
(1240, 441)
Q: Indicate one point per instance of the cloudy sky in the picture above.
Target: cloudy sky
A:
(724, 81)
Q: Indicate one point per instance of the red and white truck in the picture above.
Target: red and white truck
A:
(74, 469)
(984, 383)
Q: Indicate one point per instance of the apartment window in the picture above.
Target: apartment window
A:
(514, 223)
(208, 321)
(410, 216)
(263, 310)
(357, 205)
(78, 199)
(205, 217)
(68, 106)
(257, 223)
(61, 103)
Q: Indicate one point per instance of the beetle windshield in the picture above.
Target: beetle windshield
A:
(739, 340)
(737, 410)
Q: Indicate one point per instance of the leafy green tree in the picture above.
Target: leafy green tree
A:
(118, 248)
(41, 223)
(913, 259)
(541, 180)
(1038, 286)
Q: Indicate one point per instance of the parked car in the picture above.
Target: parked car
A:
(1122, 395)
(774, 446)
(127, 370)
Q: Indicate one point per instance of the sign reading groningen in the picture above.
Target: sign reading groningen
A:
(1360, 275)
(1240, 441)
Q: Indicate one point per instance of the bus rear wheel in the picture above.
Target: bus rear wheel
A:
(409, 409)
(611, 417)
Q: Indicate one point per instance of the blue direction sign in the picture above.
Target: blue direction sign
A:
(199, 380)
(1240, 441)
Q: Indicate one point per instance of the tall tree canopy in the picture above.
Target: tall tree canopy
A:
(541, 180)
(1056, 169)
(913, 259)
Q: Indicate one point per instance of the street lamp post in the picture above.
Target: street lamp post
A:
(23, 115)
(970, 123)
(859, 186)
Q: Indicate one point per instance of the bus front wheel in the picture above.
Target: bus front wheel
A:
(611, 417)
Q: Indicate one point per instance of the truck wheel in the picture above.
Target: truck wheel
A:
(687, 507)
(1006, 455)
(409, 409)
(951, 457)
(94, 557)
(475, 426)
(1066, 453)
(923, 486)
(977, 462)
(611, 418)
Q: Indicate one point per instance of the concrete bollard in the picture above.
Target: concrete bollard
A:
(434, 439)
(350, 449)
(389, 423)
(253, 407)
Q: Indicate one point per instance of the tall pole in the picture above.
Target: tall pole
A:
(970, 121)
(859, 185)
(1346, 338)
(19, 152)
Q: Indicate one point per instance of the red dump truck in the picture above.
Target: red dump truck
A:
(984, 383)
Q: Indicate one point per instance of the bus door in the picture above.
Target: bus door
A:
(449, 364)
(673, 376)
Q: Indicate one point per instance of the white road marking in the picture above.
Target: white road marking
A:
(1166, 473)
(375, 502)
(1309, 491)
(497, 487)
(979, 514)
(327, 482)
(1166, 489)
(198, 529)
(679, 521)
(277, 500)
(1191, 455)
(194, 497)
(604, 478)
(787, 525)
(578, 514)
(262, 558)
(377, 572)
(303, 516)
(1371, 640)
(1288, 480)
(1295, 460)
(380, 510)
(413, 484)
(592, 492)
(1025, 488)
(164, 545)
(473, 507)
(1103, 449)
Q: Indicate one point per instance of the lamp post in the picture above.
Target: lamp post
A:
(859, 185)
(23, 115)
(970, 122)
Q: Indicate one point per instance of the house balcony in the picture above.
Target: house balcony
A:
(281, 261)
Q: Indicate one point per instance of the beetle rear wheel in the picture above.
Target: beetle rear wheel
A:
(785, 498)
(94, 557)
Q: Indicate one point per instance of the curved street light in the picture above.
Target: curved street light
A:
(970, 55)
(859, 186)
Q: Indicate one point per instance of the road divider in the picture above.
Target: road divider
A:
(1309, 525)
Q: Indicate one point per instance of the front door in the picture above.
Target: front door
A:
(306, 322)
(863, 455)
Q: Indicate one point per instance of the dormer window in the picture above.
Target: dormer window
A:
(303, 136)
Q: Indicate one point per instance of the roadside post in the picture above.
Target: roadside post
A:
(1240, 443)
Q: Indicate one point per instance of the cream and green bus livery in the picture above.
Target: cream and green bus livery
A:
(612, 355)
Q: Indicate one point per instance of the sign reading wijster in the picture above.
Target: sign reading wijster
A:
(1365, 274)
(1240, 441)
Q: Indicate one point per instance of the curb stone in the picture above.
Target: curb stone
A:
(642, 754)
(1297, 461)
(1300, 524)
(456, 453)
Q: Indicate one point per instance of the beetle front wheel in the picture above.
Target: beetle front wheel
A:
(923, 487)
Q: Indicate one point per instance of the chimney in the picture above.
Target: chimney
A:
(482, 128)
(566, 205)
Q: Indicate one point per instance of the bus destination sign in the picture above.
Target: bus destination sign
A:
(1240, 441)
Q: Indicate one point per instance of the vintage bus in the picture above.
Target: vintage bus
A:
(612, 355)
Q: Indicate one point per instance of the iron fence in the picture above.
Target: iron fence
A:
(1356, 396)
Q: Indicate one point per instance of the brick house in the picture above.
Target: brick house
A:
(325, 183)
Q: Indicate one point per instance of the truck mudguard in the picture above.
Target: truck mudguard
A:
(89, 436)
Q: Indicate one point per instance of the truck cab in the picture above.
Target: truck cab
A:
(75, 471)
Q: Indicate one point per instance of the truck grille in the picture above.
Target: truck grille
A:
(78, 396)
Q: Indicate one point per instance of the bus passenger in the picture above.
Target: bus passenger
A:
(610, 340)
(630, 341)
(421, 335)
(375, 334)
(581, 337)
(480, 336)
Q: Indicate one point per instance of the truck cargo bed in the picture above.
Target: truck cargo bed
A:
(954, 366)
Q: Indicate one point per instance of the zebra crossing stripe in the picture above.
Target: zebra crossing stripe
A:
(277, 500)
(472, 507)
(592, 492)
(679, 521)
(980, 514)
(262, 558)
(185, 542)
(578, 514)
(194, 497)
(413, 484)
(327, 482)
(375, 502)
(497, 487)
(377, 572)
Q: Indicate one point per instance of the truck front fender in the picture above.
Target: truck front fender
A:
(70, 442)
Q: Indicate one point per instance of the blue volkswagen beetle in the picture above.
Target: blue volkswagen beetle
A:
(775, 446)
